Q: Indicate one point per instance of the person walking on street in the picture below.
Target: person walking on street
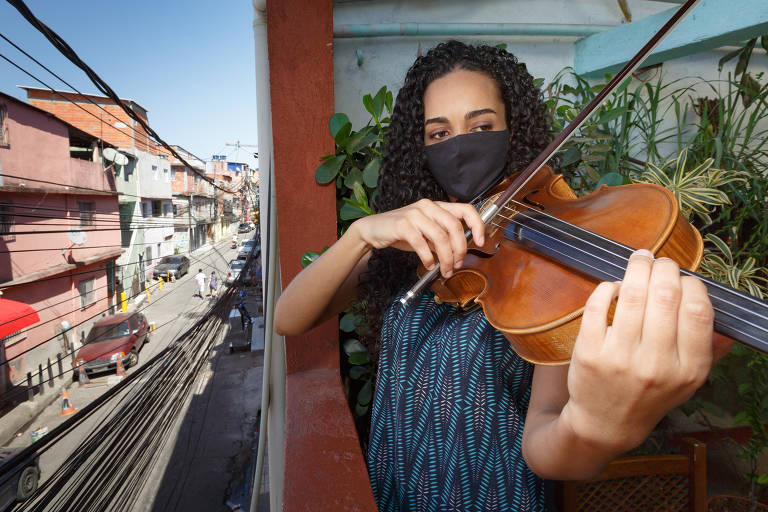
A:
(200, 278)
(213, 284)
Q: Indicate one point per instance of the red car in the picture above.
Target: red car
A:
(112, 337)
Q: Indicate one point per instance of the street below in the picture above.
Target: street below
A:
(204, 464)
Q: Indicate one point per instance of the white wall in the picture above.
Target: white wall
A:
(386, 59)
(154, 183)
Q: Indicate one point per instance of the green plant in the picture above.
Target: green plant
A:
(354, 166)
(698, 190)
(354, 169)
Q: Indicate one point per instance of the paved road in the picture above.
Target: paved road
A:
(174, 309)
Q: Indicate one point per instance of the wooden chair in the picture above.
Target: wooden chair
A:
(668, 483)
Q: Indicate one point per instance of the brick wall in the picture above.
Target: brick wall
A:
(90, 118)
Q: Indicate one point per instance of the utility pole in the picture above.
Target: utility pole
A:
(255, 155)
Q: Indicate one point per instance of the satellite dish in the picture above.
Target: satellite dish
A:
(113, 155)
(77, 236)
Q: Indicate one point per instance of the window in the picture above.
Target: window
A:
(177, 210)
(111, 276)
(166, 176)
(4, 138)
(87, 295)
(167, 209)
(173, 174)
(146, 209)
(7, 221)
(154, 172)
(157, 208)
(86, 213)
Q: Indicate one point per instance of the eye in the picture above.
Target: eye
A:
(482, 128)
(438, 135)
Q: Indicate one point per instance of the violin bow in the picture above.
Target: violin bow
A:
(524, 177)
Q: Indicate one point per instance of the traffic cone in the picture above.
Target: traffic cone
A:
(152, 328)
(120, 369)
(82, 376)
(66, 405)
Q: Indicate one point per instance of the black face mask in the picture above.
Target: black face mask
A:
(467, 165)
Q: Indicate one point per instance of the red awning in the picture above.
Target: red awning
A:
(14, 316)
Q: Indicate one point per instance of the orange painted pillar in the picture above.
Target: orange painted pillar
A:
(324, 467)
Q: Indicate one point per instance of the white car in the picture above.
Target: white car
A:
(246, 249)
(233, 273)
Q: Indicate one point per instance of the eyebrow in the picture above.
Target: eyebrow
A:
(468, 115)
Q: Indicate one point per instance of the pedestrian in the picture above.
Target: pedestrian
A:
(200, 278)
(459, 419)
(213, 284)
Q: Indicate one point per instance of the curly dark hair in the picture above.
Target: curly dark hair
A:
(404, 177)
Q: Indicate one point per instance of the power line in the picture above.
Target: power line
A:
(6, 286)
(198, 260)
(60, 44)
(8, 360)
(60, 79)
(33, 77)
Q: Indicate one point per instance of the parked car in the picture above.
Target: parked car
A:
(245, 227)
(176, 265)
(235, 267)
(246, 248)
(22, 483)
(112, 337)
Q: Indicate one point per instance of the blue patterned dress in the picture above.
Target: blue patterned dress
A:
(448, 415)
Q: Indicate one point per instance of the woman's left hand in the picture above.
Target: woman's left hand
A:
(623, 378)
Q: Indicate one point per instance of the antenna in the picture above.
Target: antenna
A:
(114, 156)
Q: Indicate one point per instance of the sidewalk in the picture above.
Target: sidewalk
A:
(209, 464)
(29, 412)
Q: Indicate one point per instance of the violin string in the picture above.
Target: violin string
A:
(736, 306)
(745, 334)
(609, 241)
(534, 219)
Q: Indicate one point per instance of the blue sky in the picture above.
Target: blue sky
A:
(190, 63)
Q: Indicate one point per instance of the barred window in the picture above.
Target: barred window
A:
(87, 295)
(7, 220)
(4, 139)
(86, 213)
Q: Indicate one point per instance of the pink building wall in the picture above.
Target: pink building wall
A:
(55, 299)
(49, 252)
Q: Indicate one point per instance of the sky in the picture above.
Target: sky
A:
(189, 63)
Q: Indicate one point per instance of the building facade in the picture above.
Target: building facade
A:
(193, 208)
(59, 235)
(144, 184)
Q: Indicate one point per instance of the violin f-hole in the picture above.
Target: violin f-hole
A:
(527, 200)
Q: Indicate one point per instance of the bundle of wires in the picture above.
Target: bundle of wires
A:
(111, 467)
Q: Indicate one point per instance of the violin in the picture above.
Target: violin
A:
(546, 250)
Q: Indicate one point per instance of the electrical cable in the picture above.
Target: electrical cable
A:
(6, 286)
(108, 469)
(87, 97)
(156, 143)
(59, 94)
(198, 260)
(66, 50)
(10, 393)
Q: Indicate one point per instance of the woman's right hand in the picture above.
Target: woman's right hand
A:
(426, 228)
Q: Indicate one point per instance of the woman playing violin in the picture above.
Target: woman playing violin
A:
(459, 420)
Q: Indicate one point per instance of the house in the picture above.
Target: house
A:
(229, 178)
(144, 184)
(192, 202)
(59, 234)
